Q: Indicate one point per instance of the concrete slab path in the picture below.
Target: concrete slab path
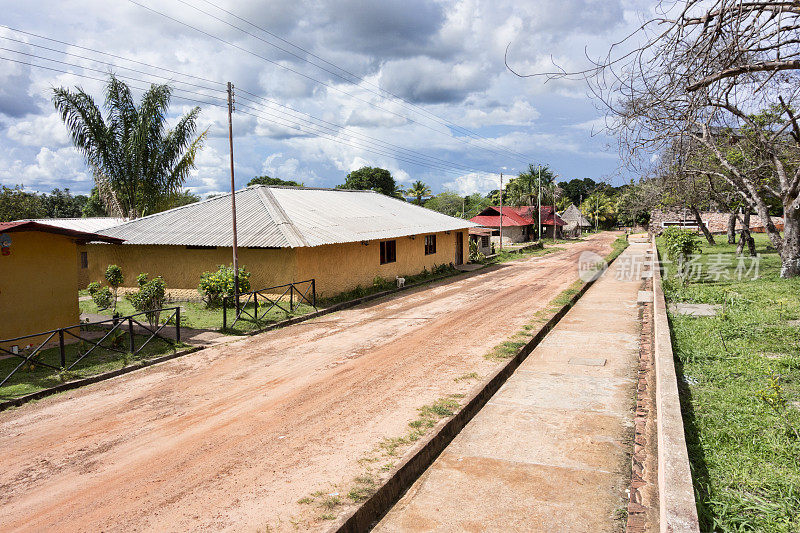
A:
(550, 451)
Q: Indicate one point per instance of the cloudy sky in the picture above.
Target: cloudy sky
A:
(323, 87)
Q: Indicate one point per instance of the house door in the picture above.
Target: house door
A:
(459, 248)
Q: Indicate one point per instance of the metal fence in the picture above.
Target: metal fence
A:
(297, 293)
(110, 341)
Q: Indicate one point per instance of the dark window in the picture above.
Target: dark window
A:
(484, 241)
(430, 244)
(84, 260)
(496, 232)
(388, 252)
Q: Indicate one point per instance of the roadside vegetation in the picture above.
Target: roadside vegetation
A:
(740, 390)
(34, 377)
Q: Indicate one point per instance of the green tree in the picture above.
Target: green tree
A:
(447, 202)
(94, 206)
(600, 209)
(419, 191)
(61, 204)
(136, 160)
(115, 278)
(266, 180)
(577, 189)
(372, 179)
(15, 204)
(524, 189)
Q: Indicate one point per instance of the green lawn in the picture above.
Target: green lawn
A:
(740, 393)
(33, 377)
(195, 314)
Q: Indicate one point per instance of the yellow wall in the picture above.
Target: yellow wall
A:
(83, 273)
(341, 267)
(37, 284)
(181, 267)
(336, 267)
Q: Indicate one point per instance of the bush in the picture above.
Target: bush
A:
(475, 255)
(101, 296)
(382, 284)
(214, 286)
(150, 297)
(680, 243)
(114, 278)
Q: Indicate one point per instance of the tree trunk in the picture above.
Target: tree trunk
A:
(744, 238)
(790, 252)
(701, 224)
(732, 228)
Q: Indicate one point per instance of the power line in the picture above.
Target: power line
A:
(306, 76)
(178, 95)
(408, 105)
(413, 153)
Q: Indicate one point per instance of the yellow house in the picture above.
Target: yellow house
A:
(38, 276)
(340, 238)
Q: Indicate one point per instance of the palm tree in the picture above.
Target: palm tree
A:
(418, 190)
(599, 208)
(139, 165)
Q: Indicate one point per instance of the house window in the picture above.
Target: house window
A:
(430, 244)
(84, 260)
(484, 241)
(388, 252)
(496, 232)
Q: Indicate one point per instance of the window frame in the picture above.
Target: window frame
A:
(84, 256)
(388, 250)
(430, 244)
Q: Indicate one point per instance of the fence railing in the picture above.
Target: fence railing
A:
(114, 329)
(264, 300)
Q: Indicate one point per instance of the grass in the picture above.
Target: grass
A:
(195, 315)
(504, 256)
(34, 377)
(740, 394)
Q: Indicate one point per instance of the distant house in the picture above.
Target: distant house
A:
(482, 238)
(90, 225)
(576, 223)
(716, 222)
(38, 276)
(519, 223)
(341, 238)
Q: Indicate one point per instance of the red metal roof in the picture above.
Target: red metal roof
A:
(29, 225)
(516, 216)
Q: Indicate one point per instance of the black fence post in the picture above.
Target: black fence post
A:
(291, 297)
(61, 350)
(224, 313)
(314, 292)
(178, 325)
(130, 335)
(255, 303)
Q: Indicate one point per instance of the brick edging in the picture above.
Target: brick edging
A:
(427, 450)
(678, 511)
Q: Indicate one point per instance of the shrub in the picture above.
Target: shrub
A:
(151, 296)
(680, 243)
(382, 284)
(93, 287)
(101, 296)
(475, 255)
(214, 286)
(114, 278)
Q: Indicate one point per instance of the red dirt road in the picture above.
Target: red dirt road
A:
(232, 436)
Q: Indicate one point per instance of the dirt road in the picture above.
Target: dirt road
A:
(232, 436)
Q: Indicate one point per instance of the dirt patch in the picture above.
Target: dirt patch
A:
(231, 437)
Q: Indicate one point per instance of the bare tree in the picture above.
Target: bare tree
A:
(723, 74)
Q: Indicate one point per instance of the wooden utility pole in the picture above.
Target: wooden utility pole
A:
(501, 210)
(233, 201)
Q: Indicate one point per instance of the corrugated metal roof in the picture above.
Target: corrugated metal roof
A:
(90, 224)
(32, 225)
(287, 217)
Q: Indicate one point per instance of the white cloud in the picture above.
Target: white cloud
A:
(40, 130)
(474, 182)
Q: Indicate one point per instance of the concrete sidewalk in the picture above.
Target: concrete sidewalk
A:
(550, 451)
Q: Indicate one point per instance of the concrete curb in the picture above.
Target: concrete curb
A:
(677, 505)
(16, 402)
(364, 517)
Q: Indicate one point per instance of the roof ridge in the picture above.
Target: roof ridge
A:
(282, 220)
